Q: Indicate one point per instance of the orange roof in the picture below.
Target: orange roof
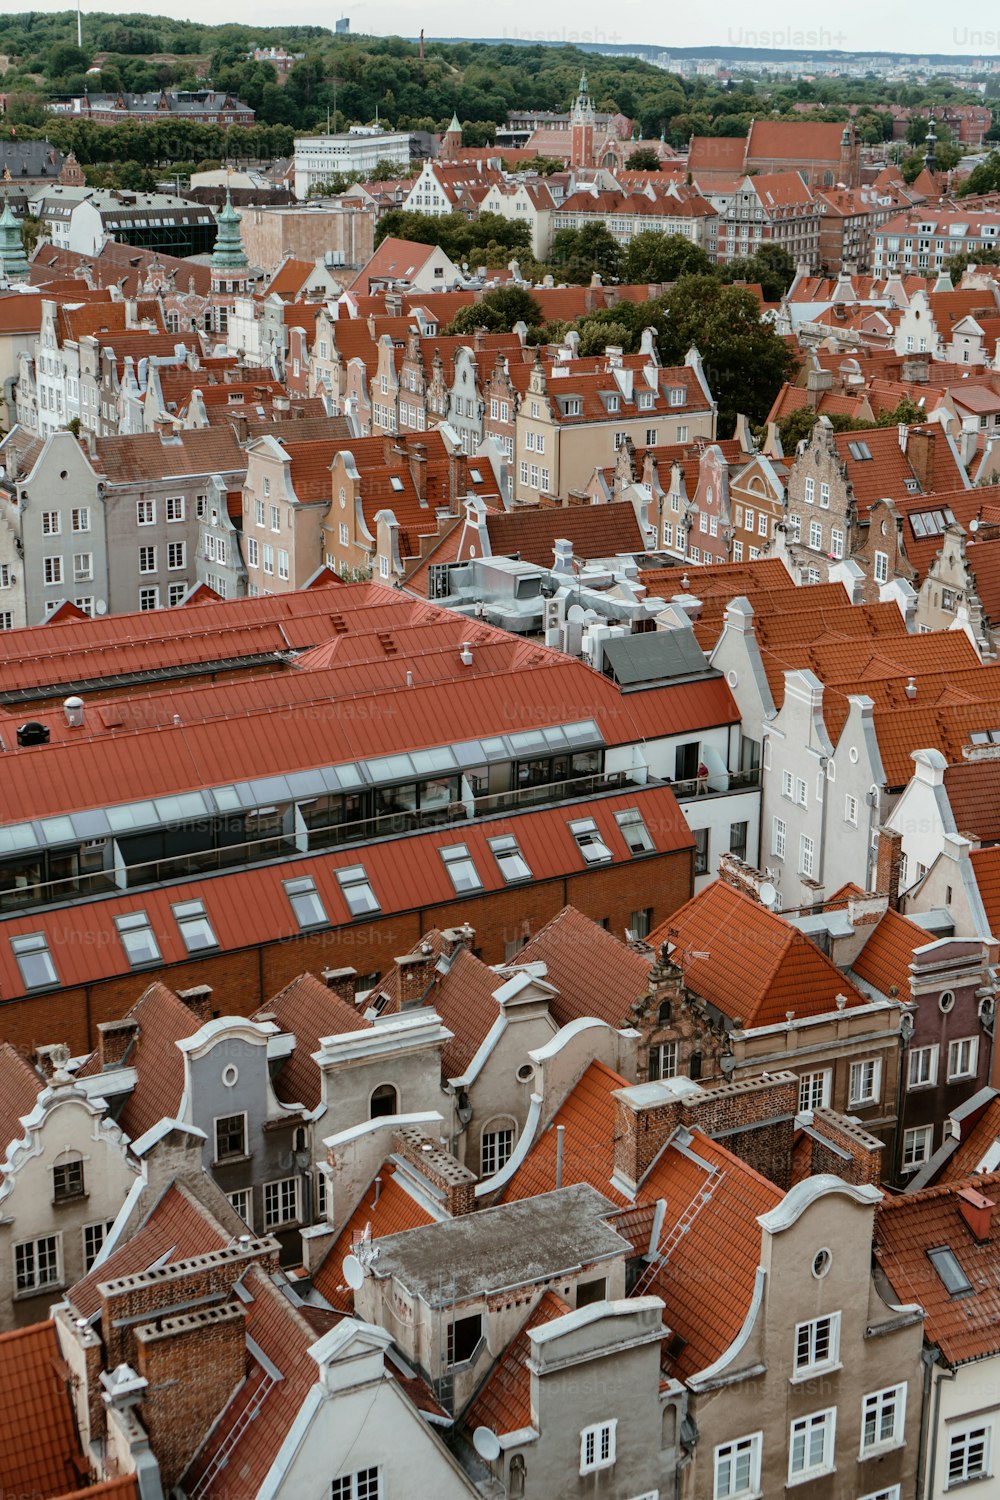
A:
(20, 1086)
(503, 1401)
(794, 140)
(308, 1011)
(40, 1453)
(983, 1137)
(387, 1209)
(749, 962)
(594, 530)
(595, 973)
(885, 959)
(164, 1020)
(588, 1114)
(964, 1327)
(973, 789)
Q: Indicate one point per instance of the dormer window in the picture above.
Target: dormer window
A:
(678, 395)
(589, 841)
(34, 960)
(358, 893)
(138, 938)
(195, 928)
(574, 406)
(614, 403)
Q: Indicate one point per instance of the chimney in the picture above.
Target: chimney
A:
(458, 476)
(241, 422)
(448, 1178)
(342, 982)
(920, 452)
(914, 370)
(976, 1211)
(415, 972)
(454, 938)
(198, 1000)
(890, 859)
(417, 455)
(114, 1038)
(818, 382)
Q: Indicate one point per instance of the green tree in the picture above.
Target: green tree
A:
(498, 312)
(643, 159)
(654, 257)
(745, 361)
(33, 229)
(958, 264)
(596, 336)
(64, 58)
(578, 253)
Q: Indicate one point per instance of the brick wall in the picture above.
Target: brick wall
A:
(446, 1174)
(243, 981)
(193, 1363)
(863, 1150)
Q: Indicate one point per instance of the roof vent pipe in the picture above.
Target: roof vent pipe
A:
(911, 688)
(466, 654)
(73, 709)
(560, 1134)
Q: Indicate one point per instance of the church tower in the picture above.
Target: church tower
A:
(13, 261)
(582, 127)
(451, 141)
(231, 276)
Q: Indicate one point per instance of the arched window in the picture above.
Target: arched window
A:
(384, 1101)
(515, 1488)
(67, 1177)
(496, 1144)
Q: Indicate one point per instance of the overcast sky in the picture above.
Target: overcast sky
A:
(855, 25)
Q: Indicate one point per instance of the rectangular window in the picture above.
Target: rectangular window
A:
(51, 523)
(881, 567)
(837, 542)
(175, 507)
(810, 492)
(305, 901)
(814, 1090)
(147, 559)
(824, 496)
(461, 868)
(258, 512)
(738, 839)
(962, 1058)
(281, 1202)
(83, 566)
(36, 1264)
(94, 1236)
(589, 841)
(253, 552)
(811, 1445)
(81, 518)
(817, 1343)
(807, 856)
(640, 921)
(923, 1067)
(282, 563)
(230, 1136)
(176, 555)
(67, 1180)
(34, 960)
(597, 1447)
(701, 854)
(851, 810)
(662, 1061)
(917, 1146)
(176, 592)
(778, 837)
(275, 518)
(138, 938)
(969, 1454)
(801, 793)
(195, 928)
(52, 570)
(634, 831)
(364, 1484)
(242, 1201)
(512, 863)
(145, 512)
(882, 1417)
(737, 1468)
(787, 784)
(815, 535)
(865, 1082)
(464, 1337)
(497, 1146)
(268, 552)
(358, 894)
(149, 598)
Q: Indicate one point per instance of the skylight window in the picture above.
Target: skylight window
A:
(859, 450)
(396, 482)
(195, 928)
(946, 1265)
(634, 831)
(34, 960)
(358, 893)
(589, 841)
(305, 902)
(476, 476)
(461, 868)
(512, 863)
(138, 938)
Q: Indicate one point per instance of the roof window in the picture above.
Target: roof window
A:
(512, 863)
(358, 893)
(634, 831)
(305, 902)
(195, 928)
(138, 938)
(589, 841)
(34, 960)
(946, 1265)
(461, 868)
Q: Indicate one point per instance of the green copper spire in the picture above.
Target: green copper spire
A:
(12, 257)
(229, 254)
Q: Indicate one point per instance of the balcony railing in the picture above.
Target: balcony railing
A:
(716, 784)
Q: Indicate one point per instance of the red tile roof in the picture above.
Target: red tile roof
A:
(389, 1210)
(164, 1020)
(885, 959)
(148, 456)
(588, 1115)
(749, 962)
(595, 973)
(308, 1011)
(20, 1086)
(964, 1327)
(596, 531)
(503, 1402)
(40, 1453)
(973, 789)
(984, 1137)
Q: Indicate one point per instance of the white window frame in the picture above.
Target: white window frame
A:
(779, 834)
(597, 1446)
(880, 571)
(963, 1058)
(53, 1247)
(922, 1067)
(496, 1147)
(726, 1484)
(807, 855)
(875, 1404)
(962, 1435)
(241, 1202)
(145, 512)
(236, 1114)
(811, 1335)
(808, 1082)
(276, 1202)
(923, 1133)
(827, 1420)
(872, 1094)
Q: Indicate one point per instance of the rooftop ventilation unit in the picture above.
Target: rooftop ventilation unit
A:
(33, 733)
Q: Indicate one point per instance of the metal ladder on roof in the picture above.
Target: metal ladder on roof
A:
(704, 1195)
(232, 1437)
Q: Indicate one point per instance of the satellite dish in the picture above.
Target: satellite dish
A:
(577, 614)
(486, 1443)
(354, 1273)
(973, 525)
(101, 606)
(767, 893)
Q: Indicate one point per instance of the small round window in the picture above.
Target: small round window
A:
(230, 1075)
(822, 1262)
(947, 1001)
(525, 1073)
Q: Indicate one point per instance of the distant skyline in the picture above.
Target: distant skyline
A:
(855, 26)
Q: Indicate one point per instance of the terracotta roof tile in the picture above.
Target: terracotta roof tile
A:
(964, 1326)
(308, 1011)
(164, 1020)
(749, 962)
(40, 1453)
(588, 1115)
(973, 789)
(20, 1086)
(146, 455)
(503, 1401)
(980, 1147)
(885, 959)
(596, 531)
(595, 973)
(391, 1211)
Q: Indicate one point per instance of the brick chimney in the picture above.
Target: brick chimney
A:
(193, 1364)
(454, 938)
(198, 1000)
(920, 452)
(458, 476)
(976, 1211)
(415, 973)
(448, 1178)
(114, 1038)
(417, 454)
(342, 982)
(889, 866)
(241, 422)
